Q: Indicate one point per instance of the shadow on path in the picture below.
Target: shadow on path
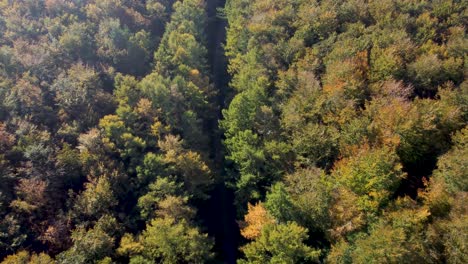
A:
(219, 213)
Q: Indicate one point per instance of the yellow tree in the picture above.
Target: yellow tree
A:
(255, 219)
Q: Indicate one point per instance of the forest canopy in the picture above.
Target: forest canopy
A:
(248, 131)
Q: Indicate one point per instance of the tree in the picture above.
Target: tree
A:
(80, 89)
(372, 174)
(31, 195)
(175, 207)
(89, 246)
(182, 46)
(452, 167)
(153, 166)
(12, 234)
(282, 243)
(26, 97)
(310, 193)
(158, 190)
(77, 42)
(68, 167)
(345, 214)
(385, 245)
(120, 139)
(399, 240)
(24, 257)
(429, 71)
(168, 240)
(113, 41)
(256, 218)
(187, 165)
(279, 204)
(453, 232)
(414, 136)
(250, 160)
(96, 200)
(348, 77)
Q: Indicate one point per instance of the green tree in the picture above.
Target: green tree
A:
(80, 89)
(452, 167)
(372, 174)
(182, 46)
(310, 193)
(187, 165)
(158, 191)
(96, 200)
(282, 243)
(279, 204)
(89, 246)
(77, 41)
(168, 240)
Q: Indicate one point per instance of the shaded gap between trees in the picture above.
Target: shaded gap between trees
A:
(219, 213)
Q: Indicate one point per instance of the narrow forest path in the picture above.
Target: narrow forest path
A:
(219, 212)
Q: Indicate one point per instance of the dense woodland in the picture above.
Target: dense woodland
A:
(341, 135)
